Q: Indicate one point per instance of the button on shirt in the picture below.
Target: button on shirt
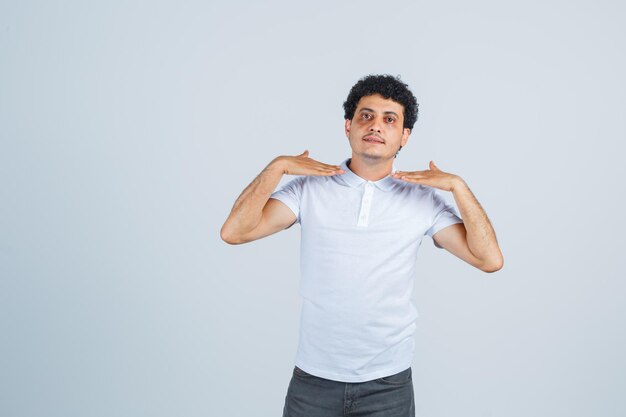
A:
(359, 243)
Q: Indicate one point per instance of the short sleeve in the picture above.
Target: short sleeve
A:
(444, 215)
(291, 194)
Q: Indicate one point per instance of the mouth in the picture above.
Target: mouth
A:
(373, 139)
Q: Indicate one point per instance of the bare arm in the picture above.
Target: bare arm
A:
(474, 240)
(254, 215)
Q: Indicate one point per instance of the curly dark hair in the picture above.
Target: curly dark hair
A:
(389, 87)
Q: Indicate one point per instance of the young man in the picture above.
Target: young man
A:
(362, 224)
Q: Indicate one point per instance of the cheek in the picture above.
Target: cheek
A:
(392, 130)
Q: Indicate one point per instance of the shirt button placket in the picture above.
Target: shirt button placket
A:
(366, 204)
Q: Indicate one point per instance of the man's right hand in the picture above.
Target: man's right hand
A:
(303, 165)
(254, 214)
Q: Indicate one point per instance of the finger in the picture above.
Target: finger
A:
(328, 166)
(400, 173)
(327, 172)
(324, 169)
(416, 180)
(422, 175)
(413, 172)
(321, 167)
(433, 166)
(413, 177)
(330, 170)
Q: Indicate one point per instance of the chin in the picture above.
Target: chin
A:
(371, 156)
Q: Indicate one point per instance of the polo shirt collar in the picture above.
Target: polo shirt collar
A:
(353, 180)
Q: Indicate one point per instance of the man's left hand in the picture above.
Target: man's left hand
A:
(433, 177)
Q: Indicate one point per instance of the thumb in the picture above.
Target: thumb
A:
(305, 153)
(433, 166)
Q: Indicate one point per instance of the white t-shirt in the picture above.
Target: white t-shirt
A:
(359, 246)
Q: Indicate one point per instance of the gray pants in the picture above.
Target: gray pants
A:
(312, 396)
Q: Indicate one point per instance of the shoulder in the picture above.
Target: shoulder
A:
(302, 182)
(411, 189)
(318, 180)
(295, 181)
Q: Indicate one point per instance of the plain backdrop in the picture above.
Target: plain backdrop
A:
(129, 128)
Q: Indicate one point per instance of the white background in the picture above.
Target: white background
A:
(128, 130)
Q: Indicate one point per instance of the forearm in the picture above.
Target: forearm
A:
(247, 211)
(481, 238)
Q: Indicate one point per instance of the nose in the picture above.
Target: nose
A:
(375, 126)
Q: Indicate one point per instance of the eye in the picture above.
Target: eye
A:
(366, 116)
(389, 119)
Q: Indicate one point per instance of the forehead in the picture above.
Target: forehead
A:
(380, 104)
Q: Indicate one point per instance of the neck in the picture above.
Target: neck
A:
(373, 170)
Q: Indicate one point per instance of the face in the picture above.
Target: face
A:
(375, 131)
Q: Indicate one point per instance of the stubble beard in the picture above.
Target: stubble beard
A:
(376, 158)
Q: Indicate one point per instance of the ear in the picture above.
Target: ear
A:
(347, 127)
(405, 136)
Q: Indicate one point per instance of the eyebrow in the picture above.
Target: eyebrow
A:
(370, 110)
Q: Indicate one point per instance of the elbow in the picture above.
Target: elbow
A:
(229, 237)
(491, 269)
(494, 266)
